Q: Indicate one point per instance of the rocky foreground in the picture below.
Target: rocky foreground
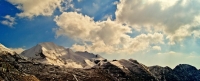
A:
(15, 68)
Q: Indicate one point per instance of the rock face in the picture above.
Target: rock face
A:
(127, 72)
(14, 67)
(9, 70)
(162, 73)
(182, 72)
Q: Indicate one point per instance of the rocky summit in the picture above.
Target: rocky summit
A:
(36, 64)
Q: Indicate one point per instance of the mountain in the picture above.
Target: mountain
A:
(162, 73)
(50, 53)
(4, 50)
(132, 70)
(17, 68)
(182, 72)
(39, 64)
(8, 67)
(128, 70)
(186, 72)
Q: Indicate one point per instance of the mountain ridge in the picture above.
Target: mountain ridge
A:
(12, 65)
(5, 49)
(51, 53)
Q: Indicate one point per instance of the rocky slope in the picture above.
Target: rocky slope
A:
(182, 72)
(127, 70)
(14, 67)
(9, 70)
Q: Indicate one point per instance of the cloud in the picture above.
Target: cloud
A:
(96, 8)
(102, 36)
(169, 17)
(9, 21)
(188, 30)
(74, 25)
(31, 8)
(79, 0)
(128, 46)
(115, 3)
(143, 41)
(17, 50)
(156, 48)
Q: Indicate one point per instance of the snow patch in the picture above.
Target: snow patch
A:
(116, 63)
(5, 49)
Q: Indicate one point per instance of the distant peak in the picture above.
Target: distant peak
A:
(185, 66)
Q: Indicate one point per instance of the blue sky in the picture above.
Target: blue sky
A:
(154, 32)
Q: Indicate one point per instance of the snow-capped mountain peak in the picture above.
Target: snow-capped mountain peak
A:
(4, 49)
(50, 53)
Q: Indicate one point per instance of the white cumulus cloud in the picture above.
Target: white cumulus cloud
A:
(31, 8)
(102, 36)
(173, 18)
(156, 48)
(9, 21)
